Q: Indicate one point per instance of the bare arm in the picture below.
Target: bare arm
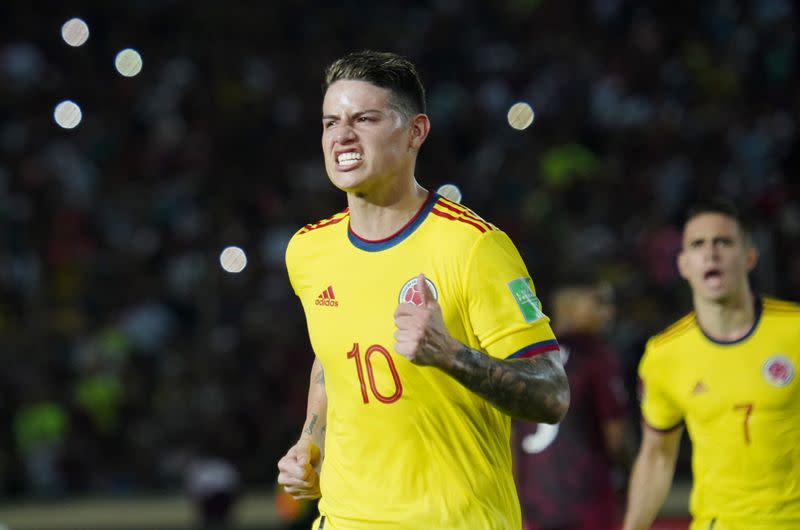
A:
(316, 411)
(300, 466)
(652, 477)
(533, 389)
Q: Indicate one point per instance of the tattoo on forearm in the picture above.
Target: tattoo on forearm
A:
(533, 389)
(309, 430)
(320, 378)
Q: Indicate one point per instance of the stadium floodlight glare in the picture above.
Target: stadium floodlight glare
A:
(233, 259)
(75, 32)
(67, 114)
(450, 191)
(520, 116)
(128, 62)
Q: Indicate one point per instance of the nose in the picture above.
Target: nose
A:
(711, 254)
(345, 134)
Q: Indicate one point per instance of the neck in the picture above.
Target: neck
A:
(380, 214)
(727, 320)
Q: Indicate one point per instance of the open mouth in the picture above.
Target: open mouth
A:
(713, 277)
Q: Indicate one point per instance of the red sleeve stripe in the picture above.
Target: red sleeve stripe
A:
(440, 213)
(466, 212)
(535, 349)
(326, 222)
(664, 431)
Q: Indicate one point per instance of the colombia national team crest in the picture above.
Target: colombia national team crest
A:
(778, 370)
(411, 293)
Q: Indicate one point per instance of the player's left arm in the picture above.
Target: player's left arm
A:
(533, 389)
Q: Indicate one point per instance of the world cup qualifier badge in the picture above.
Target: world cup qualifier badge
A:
(411, 293)
(527, 301)
(778, 370)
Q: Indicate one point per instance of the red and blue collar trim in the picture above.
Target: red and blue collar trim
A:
(371, 245)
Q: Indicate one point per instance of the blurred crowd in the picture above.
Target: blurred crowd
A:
(130, 356)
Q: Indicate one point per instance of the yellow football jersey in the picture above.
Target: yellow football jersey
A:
(408, 447)
(740, 402)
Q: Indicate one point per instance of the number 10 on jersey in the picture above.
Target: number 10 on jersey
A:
(355, 354)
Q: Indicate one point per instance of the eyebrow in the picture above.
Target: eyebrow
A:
(355, 114)
(714, 239)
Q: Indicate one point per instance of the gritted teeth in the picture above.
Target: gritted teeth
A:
(348, 158)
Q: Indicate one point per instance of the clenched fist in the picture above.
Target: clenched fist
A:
(299, 470)
(421, 336)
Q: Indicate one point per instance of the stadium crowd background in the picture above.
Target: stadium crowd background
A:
(128, 353)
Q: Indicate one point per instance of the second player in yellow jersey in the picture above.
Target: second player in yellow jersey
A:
(727, 371)
(740, 402)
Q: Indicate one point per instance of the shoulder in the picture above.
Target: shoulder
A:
(457, 218)
(779, 308)
(463, 234)
(780, 318)
(674, 332)
(662, 347)
(323, 223)
(460, 227)
(314, 233)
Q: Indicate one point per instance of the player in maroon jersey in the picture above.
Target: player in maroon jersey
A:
(563, 472)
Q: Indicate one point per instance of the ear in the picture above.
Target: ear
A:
(418, 128)
(680, 260)
(751, 257)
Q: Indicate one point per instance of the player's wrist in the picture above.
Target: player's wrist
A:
(307, 438)
(449, 351)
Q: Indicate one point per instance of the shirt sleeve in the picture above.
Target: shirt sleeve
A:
(290, 260)
(504, 312)
(659, 411)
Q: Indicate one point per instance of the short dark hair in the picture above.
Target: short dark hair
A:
(721, 206)
(386, 70)
(581, 277)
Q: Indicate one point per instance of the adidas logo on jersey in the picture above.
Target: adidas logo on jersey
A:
(327, 298)
(699, 388)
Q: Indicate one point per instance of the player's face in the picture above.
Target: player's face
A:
(715, 257)
(594, 309)
(366, 143)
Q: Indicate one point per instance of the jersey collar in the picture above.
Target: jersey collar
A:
(375, 245)
(756, 319)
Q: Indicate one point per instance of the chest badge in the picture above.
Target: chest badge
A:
(778, 370)
(410, 292)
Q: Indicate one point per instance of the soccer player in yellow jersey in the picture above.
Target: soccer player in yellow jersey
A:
(427, 332)
(727, 371)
